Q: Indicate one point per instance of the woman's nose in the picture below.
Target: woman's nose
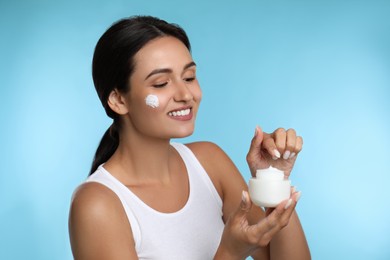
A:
(183, 93)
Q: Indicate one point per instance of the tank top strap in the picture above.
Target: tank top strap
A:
(105, 178)
(196, 168)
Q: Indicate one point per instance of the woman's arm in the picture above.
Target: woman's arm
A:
(98, 225)
(290, 242)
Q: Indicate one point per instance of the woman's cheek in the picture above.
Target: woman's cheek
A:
(156, 101)
(152, 101)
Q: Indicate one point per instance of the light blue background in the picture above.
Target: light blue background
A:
(321, 67)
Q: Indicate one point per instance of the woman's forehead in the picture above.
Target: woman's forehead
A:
(163, 52)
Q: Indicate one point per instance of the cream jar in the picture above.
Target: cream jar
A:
(269, 187)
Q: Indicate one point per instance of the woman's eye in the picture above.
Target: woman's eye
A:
(189, 79)
(160, 85)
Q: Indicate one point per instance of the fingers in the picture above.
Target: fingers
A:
(298, 144)
(280, 216)
(256, 140)
(276, 219)
(280, 137)
(282, 143)
(270, 146)
(263, 231)
(291, 137)
(296, 195)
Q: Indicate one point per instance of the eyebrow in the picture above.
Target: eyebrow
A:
(167, 70)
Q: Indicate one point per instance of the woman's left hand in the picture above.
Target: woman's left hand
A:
(278, 149)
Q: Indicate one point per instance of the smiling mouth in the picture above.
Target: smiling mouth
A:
(178, 113)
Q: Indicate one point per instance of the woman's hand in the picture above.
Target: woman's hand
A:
(240, 239)
(278, 149)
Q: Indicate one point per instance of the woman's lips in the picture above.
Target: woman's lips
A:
(182, 114)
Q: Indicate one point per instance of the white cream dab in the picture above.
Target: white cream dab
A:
(152, 101)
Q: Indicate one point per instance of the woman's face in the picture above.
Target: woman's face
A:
(164, 92)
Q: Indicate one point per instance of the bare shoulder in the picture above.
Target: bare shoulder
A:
(217, 164)
(207, 152)
(93, 199)
(212, 157)
(98, 225)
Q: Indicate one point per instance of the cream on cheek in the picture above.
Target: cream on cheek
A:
(152, 101)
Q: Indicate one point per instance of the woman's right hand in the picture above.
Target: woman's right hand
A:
(240, 239)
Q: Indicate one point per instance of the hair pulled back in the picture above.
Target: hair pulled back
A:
(113, 65)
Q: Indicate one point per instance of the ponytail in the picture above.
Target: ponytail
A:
(106, 148)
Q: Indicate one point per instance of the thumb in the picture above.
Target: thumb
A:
(254, 153)
(257, 139)
(245, 205)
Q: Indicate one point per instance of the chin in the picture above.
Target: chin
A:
(183, 134)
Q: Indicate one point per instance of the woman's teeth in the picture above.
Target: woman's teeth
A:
(180, 112)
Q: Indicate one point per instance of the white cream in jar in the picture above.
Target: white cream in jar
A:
(269, 187)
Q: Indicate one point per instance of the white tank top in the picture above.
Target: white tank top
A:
(193, 232)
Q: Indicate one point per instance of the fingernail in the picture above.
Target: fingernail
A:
(286, 154)
(276, 153)
(292, 155)
(256, 131)
(243, 196)
(298, 196)
(288, 204)
(293, 189)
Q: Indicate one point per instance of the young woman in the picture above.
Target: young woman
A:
(148, 198)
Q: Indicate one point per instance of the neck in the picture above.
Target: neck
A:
(141, 159)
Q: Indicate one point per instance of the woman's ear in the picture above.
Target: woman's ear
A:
(117, 103)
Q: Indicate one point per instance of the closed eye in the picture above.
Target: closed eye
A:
(160, 85)
(189, 79)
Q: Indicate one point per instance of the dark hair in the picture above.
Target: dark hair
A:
(113, 64)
